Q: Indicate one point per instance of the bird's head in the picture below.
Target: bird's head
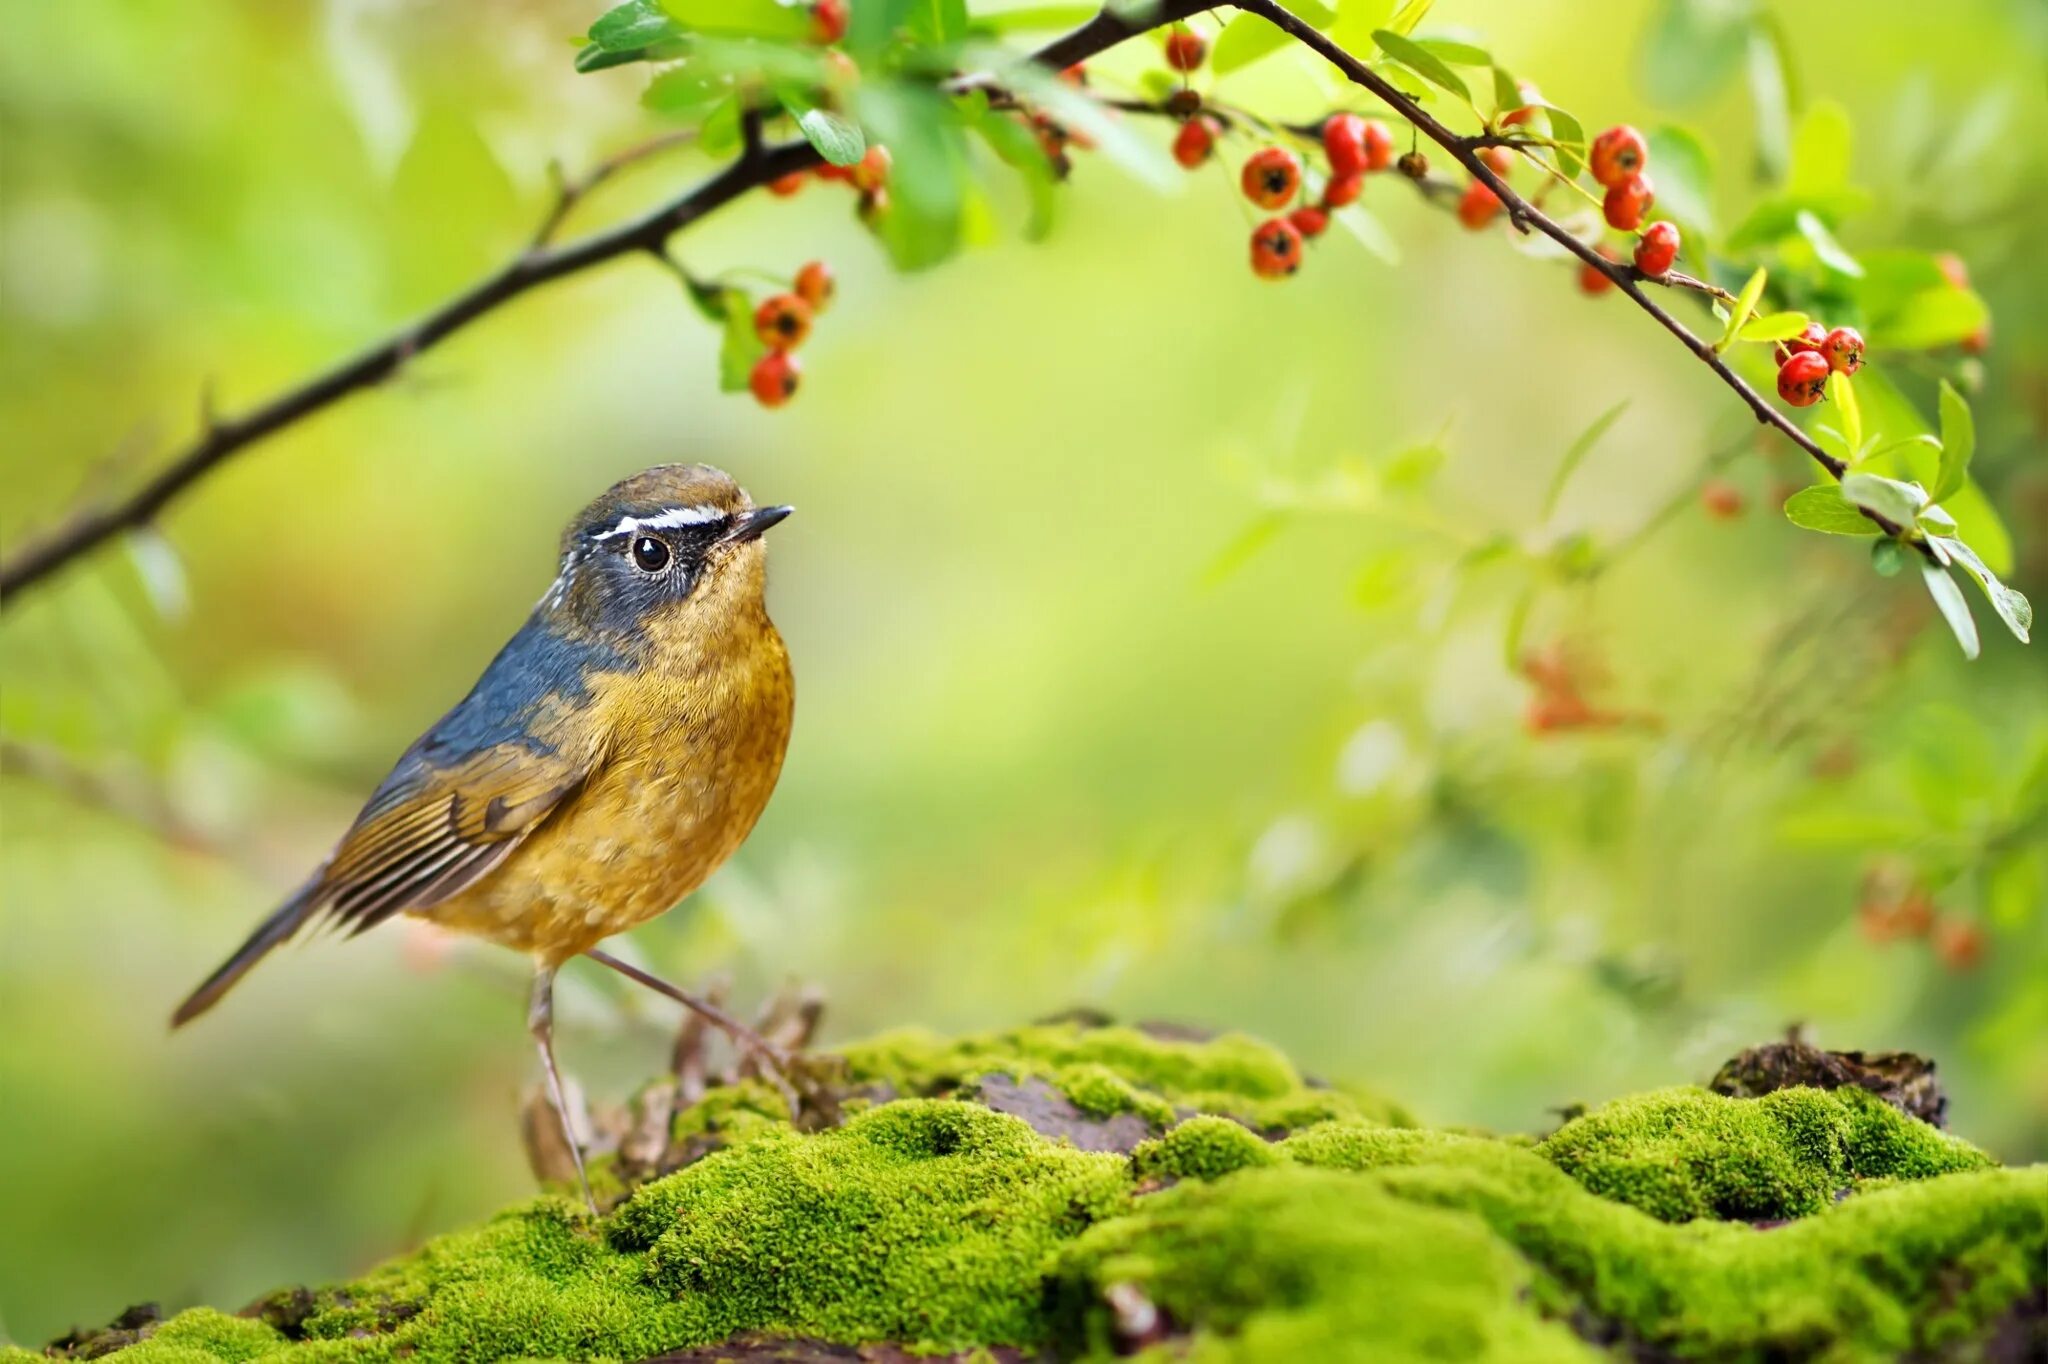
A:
(678, 544)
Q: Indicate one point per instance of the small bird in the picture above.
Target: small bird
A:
(611, 757)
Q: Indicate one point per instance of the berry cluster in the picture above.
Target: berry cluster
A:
(869, 176)
(1897, 907)
(1805, 361)
(783, 322)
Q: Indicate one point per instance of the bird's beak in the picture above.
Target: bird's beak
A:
(755, 524)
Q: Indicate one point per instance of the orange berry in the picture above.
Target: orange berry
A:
(828, 22)
(1342, 190)
(1914, 915)
(1842, 348)
(1499, 160)
(1803, 378)
(1479, 206)
(1592, 279)
(1185, 49)
(1627, 201)
(774, 378)
(782, 321)
(1978, 341)
(1276, 249)
(1953, 270)
(1532, 97)
(1344, 144)
(1077, 74)
(1617, 154)
(815, 285)
(1271, 177)
(1657, 249)
(1309, 222)
(1195, 141)
(1379, 145)
(1959, 943)
(1721, 500)
(782, 186)
(872, 170)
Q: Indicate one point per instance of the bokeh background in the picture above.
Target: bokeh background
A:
(1149, 620)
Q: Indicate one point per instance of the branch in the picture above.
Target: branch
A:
(90, 526)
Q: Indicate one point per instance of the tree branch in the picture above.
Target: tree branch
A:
(92, 525)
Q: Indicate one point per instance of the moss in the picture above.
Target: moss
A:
(1158, 1076)
(1684, 1153)
(938, 1222)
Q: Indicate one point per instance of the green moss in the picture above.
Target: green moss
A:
(1203, 1147)
(938, 1222)
(1685, 1153)
(1232, 1075)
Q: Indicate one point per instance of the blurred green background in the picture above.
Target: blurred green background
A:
(1144, 656)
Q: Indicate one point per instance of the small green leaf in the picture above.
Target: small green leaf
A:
(838, 138)
(1745, 304)
(1360, 222)
(708, 299)
(1507, 92)
(1842, 393)
(1898, 503)
(1685, 176)
(1247, 37)
(1456, 53)
(634, 25)
(1769, 61)
(1887, 556)
(1937, 316)
(1421, 61)
(1409, 15)
(1037, 18)
(1823, 508)
(2012, 606)
(1825, 246)
(1356, 19)
(1958, 443)
(1948, 598)
(1775, 327)
(740, 348)
(1570, 139)
(1587, 439)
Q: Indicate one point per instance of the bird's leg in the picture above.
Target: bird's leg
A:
(540, 1021)
(774, 1061)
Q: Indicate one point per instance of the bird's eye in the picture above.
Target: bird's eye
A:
(650, 554)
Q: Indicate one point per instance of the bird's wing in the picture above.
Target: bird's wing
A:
(474, 786)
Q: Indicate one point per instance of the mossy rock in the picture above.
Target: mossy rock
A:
(1233, 1211)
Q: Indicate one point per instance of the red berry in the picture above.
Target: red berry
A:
(1276, 249)
(1077, 74)
(871, 170)
(1272, 177)
(782, 186)
(1842, 348)
(1309, 222)
(1803, 378)
(774, 378)
(825, 170)
(828, 21)
(1594, 280)
(815, 285)
(1617, 154)
(1959, 943)
(1342, 190)
(1185, 49)
(1344, 144)
(1722, 500)
(1478, 207)
(1627, 201)
(1379, 145)
(1195, 141)
(1953, 270)
(1915, 913)
(1531, 96)
(782, 322)
(1656, 249)
(1809, 339)
(1499, 160)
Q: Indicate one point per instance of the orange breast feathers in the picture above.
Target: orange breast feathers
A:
(693, 744)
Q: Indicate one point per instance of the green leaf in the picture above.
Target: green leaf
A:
(1958, 443)
(740, 348)
(1570, 137)
(1820, 150)
(741, 18)
(1774, 327)
(1456, 53)
(634, 25)
(1587, 439)
(688, 91)
(1247, 37)
(1940, 316)
(929, 171)
(1017, 146)
(1823, 508)
(1507, 92)
(1037, 18)
(1842, 393)
(1887, 556)
(1769, 65)
(2012, 607)
(838, 138)
(1948, 598)
(1825, 246)
(935, 23)
(1689, 50)
(1421, 61)
(1745, 304)
(1898, 503)
(1409, 15)
(1356, 19)
(1360, 222)
(1685, 176)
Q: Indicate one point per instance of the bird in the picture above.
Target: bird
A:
(611, 757)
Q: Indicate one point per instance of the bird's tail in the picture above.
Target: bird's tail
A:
(278, 928)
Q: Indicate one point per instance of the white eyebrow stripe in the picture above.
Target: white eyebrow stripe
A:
(673, 519)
